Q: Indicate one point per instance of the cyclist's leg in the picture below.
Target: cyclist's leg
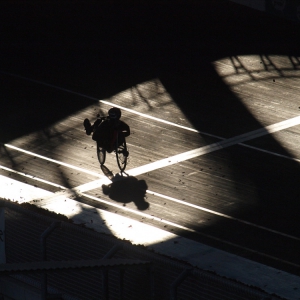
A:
(87, 126)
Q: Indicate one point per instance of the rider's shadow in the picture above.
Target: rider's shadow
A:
(126, 189)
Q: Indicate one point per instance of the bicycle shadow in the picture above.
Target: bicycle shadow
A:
(126, 189)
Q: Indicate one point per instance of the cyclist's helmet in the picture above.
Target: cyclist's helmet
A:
(114, 113)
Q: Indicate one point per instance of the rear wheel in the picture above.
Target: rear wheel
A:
(101, 154)
(122, 156)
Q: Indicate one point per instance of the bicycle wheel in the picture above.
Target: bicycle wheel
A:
(101, 154)
(122, 155)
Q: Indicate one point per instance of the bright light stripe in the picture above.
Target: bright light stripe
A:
(54, 161)
(221, 215)
(215, 146)
(32, 177)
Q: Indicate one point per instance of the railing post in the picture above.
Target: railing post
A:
(177, 282)
(109, 254)
(43, 238)
(121, 288)
(151, 281)
(105, 284)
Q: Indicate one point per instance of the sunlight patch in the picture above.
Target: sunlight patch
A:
(20, 192)
(134, 231)
(151, 98)
(263, 83)
(246, 69)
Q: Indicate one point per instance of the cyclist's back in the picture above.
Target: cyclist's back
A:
(106, 132)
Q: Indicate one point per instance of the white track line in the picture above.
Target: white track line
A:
(152, 118)
(49, 85)
(92, 185)
(109, 103)
(54, 161)
(215, 146)
(221, 215)
(32, 177)
(188, 229)
(270, 152)
(139, 213)
(102, 101)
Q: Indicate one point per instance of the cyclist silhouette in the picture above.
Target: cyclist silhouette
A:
(105, 130)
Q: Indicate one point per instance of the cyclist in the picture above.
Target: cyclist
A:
(105, 132)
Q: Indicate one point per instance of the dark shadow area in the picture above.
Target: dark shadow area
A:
(101, 48)
(27, 106)
(126, 189)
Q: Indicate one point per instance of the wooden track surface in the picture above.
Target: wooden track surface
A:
(183, 84)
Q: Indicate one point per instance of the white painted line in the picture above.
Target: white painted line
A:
(32, 177)
(108, 103)
(221, 215)
(54, 161)
(270, 152)
(139, 213)
(215, 146)
(49, 85)
(92, 185)
(151, 217)
(150, 117)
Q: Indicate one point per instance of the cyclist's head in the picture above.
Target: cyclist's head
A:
(114, 113)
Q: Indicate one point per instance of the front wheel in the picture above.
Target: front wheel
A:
(101, 154)
(122, 156)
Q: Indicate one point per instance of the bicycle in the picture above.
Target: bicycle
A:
(120, 149)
